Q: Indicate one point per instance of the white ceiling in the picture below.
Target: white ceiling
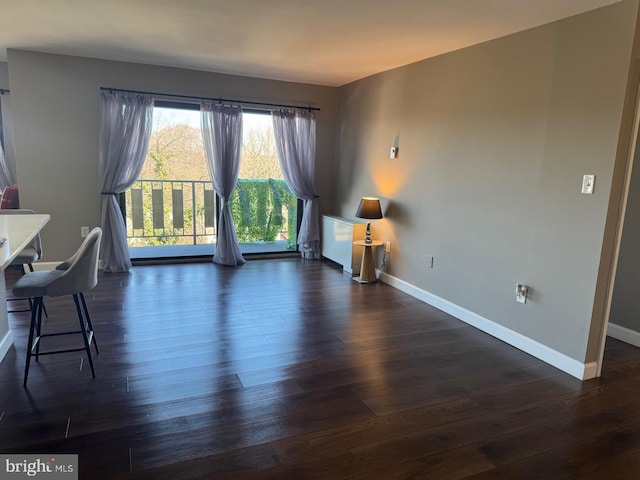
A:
(327, 42)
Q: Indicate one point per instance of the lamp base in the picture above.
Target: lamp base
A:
(359, 280)
(367, 235)
(367, 266)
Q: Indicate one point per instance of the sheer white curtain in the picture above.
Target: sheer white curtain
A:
(295, 133)
(124, 139)
(5, 174)
(222, 137)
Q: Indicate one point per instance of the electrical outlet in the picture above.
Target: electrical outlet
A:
(522, 291)
(84, 232)
(387, 247)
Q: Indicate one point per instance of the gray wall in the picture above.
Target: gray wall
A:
(55, 103)
(625, 307)
(4, 75)
(493, 142)
(617, 202)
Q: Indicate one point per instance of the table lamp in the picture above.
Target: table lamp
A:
(369, 209)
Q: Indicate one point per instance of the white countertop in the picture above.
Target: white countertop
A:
(19, 230)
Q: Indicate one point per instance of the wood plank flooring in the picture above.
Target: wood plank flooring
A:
(287, 369)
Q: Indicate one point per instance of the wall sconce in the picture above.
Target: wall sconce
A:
(369, 209)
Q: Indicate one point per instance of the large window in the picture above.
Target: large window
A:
(173, 203)
(264, 209)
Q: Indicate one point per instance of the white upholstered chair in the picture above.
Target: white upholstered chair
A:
(73, 277)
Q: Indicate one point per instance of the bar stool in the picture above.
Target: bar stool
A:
(74, 277)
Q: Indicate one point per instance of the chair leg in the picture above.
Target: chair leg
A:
(43, 307)
(39, 327)
(86, 313)
(30, 343)
(84, 333)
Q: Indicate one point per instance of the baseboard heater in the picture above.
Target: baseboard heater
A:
(338, 235)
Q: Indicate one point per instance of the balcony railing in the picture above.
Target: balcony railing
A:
(170, 212)
(185, 212)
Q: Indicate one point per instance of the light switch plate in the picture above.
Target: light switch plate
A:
(588, 182)
(394, 152)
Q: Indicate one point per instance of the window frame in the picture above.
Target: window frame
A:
(196, 107)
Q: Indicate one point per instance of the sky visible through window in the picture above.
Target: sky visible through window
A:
(261, 121)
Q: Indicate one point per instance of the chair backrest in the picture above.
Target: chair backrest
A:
(10, 198)
(36, 243)
(82, 273)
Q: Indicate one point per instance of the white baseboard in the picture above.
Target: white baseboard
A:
(5, 344)
(624, 334)
(580, 370)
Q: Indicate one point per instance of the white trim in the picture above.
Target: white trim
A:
(590, 371)
(624, 334)
(5, 344)
(553, 357)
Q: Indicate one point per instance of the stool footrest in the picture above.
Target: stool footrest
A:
(37, 340)
(60, 351)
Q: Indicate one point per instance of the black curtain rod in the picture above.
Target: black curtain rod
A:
(190, 97)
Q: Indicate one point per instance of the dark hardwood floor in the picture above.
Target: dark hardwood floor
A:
(285, 369)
